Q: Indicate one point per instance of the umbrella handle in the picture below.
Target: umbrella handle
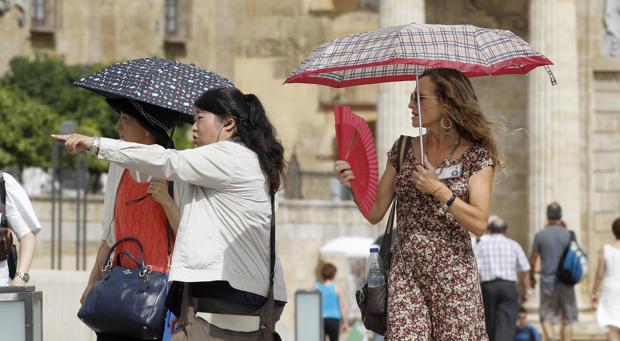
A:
(417, 91)
(346, 157)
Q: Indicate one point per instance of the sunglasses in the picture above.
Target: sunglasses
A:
(414, 98)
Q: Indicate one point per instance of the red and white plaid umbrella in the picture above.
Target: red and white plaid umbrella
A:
(400, 53)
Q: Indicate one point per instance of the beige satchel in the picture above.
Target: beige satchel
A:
(195, 328)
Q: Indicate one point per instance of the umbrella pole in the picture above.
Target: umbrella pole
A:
(417, 93)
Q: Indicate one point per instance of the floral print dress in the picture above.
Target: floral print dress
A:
(434, 288)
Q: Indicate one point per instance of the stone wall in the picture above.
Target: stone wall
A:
(605, 157)
(504, 99)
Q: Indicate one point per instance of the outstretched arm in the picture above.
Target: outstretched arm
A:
(206, 166)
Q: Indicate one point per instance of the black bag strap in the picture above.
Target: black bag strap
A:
(169, 230)
(404, 143)
(573, 237)
(3, 221)
(403, 149)
(272, 242)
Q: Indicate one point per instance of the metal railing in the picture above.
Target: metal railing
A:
(313, 185)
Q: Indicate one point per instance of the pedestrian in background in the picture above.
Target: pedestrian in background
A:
(608, 272)
(17, 217)
(525, 331)
(556, 298)
(501, 261)
(334, 317)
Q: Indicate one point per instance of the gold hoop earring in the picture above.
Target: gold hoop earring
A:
(446, 126)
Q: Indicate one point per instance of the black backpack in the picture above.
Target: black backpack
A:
(12, 257)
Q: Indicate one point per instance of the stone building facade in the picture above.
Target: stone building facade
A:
(563, 142)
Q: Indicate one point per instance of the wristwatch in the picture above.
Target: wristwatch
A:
(94, 148)
(449, 203)
(23, 275)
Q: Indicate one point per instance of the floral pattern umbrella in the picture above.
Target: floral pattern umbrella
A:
(165, 83)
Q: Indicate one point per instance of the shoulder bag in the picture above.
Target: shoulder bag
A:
(373, 302)
(127, 302)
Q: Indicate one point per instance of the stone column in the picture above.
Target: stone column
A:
(393, 116)
(555, 139)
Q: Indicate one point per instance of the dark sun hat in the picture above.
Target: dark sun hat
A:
(157, 120)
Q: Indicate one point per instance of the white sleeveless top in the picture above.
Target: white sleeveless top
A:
(608, 311)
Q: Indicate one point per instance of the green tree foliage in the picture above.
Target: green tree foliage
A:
(24, 130)
(49, 81)
(44, 85)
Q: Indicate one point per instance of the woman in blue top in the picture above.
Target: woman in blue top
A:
(333, 305)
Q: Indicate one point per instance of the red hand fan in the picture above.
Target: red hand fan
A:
(356, 145)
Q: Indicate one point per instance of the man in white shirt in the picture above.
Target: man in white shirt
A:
(500, 261)
(24, 224)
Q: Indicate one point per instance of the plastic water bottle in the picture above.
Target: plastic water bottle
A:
(375, 275)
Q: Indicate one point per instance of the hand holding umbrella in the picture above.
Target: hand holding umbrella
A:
(425, 178)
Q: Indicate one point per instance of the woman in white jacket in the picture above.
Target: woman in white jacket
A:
(222, 245)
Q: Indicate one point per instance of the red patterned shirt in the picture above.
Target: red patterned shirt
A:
(140, 216)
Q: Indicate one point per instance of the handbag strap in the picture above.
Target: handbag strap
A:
(3, 221)
(127, 239)
(272, 242)
(267, 315)
(573, 237)
(404, 142)
(169, 231)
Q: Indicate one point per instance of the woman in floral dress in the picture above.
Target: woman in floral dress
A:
(434, 289)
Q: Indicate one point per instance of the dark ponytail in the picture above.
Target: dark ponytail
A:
(254, 129)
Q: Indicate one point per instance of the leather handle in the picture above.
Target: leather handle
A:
(125, 253)
(127, 239)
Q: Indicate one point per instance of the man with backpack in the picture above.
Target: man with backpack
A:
(557, 299)
(17, 218)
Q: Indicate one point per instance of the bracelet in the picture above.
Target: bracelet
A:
(435, 191)
(94, 148)
(449, 203)
(451, 200)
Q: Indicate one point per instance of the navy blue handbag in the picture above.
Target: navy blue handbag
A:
(127, 301)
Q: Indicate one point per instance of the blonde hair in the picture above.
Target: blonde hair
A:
(457, 95)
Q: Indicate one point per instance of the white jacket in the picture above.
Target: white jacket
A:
(225, 211)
